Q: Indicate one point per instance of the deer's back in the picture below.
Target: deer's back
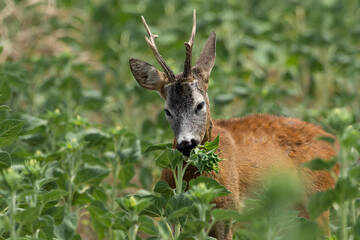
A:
(254, 145)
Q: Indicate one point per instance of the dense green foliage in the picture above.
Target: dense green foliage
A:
(74, 123)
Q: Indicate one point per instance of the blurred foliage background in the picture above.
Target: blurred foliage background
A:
(290, 58)
(293, 58)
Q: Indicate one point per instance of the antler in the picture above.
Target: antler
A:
(151, 42)
(188, 47)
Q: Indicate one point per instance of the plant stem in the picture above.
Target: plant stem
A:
(12, 214)
(168, 227)
(115, 172)
(132, 232)
(72, 177)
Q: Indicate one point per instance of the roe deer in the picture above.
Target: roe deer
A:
(250, 146)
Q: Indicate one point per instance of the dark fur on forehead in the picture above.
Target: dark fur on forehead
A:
(180, 95)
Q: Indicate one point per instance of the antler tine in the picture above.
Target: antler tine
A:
(151, 42)
(188, 47)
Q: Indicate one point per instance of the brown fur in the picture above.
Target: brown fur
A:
(253, 145)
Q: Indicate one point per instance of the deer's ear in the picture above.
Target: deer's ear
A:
(148, 76)
(207, 57)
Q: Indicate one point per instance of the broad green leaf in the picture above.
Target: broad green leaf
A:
(176, 203)
(184, 211)
(46, 226)
(93, 160)
(161, 146)
(28, 215)
(345, 190)
(52, 195)
(320, 202)
(211, 184)
(155, 209)
(147, 225)
(66, 230)
(82, 198)
(132, 154)
(95, 137)
(162, 160)
(126, 173)
(5, 108)
(226, 214)
(146, 177)
(320, 164)
(164, 189)
(174, 156)
(5, 160)
(5, 89)
(9, 129)
(44, 181)
(355, 173)
(169, 159)
(32, 122)
(213, 144)
(99, 211)
(91, 175)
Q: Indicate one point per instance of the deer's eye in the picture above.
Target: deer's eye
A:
(200, 106)
(167, 112)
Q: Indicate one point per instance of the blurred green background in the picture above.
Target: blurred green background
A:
(290, 58)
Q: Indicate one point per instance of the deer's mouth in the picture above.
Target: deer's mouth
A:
(185, 147)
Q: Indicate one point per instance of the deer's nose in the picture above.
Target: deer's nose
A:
(185, 147)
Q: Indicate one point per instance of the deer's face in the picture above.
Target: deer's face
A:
(186, 109)
(186, 103)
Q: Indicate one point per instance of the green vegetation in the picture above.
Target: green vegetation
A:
(74, 124)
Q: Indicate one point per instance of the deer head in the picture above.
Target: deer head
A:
(187, 107)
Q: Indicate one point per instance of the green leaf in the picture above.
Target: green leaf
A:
(164, 189)
(174, 156)
(320, 202)
(5, 108)
(355, 173)
(126, 173)
(161, 146)
(91, 175)
(66, 230)
(214, 144)
(345, 190)
(130, 155)
(176, 203)
(357, 228)
(155, 209)
(46, 226)
(319, 164)
(147, 225)
(162, 160)
(5, 89)
(5, 160)
(93, 160)
(210, 183)
(28, 215)
(9, 129)
(169, 159)
(226, 214)
(32, 122)
(44, 181)
(99, 212)
(327, 139)
(52, 195)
